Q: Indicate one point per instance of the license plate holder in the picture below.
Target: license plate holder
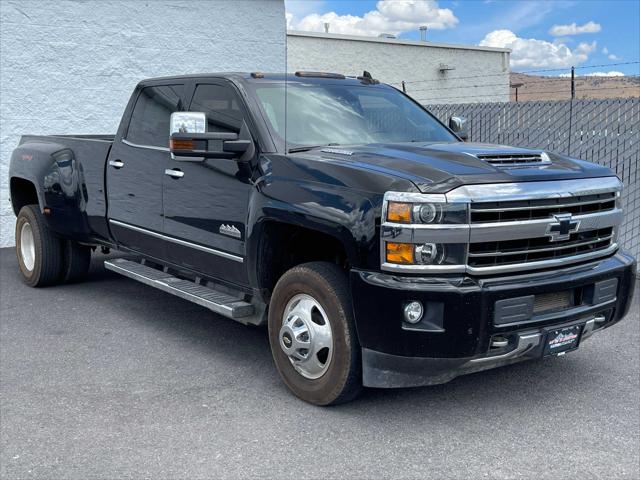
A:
(560, 340)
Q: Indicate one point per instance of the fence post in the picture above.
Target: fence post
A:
(573, 96)
(573, 83)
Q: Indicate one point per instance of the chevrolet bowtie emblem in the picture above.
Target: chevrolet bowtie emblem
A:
(230, 230)
(562, 228)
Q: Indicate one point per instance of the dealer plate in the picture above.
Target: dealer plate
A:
(561, 340)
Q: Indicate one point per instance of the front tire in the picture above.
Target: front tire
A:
(312, 334)
(39, 251)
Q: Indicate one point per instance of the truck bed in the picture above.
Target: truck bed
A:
(78, 161)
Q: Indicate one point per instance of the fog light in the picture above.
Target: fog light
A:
(413, 312)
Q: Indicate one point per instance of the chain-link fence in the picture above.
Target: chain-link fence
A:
(606, 132)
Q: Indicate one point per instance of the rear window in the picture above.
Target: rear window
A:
(149, 124)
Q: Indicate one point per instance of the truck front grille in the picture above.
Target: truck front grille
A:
(513, 227)
(507, 252)
(510, 211)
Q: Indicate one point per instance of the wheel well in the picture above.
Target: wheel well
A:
(284, 246)
(23, 192)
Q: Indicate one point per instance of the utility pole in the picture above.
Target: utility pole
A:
(573, 83)
(516, 86)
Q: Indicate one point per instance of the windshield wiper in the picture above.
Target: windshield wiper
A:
(311, 147)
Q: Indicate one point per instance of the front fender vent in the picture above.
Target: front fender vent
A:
(506, 160)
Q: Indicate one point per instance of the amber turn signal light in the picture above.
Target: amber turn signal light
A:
(401, 253)
(399, 212)
(182, 144)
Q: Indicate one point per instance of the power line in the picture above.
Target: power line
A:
(584, 90)
(607, 65)
(546, 81)
(537, 93)
(545, 70)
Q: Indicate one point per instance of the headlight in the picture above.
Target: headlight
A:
(423, 232)
(425, 253)
(426, 213)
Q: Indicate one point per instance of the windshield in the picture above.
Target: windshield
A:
(335, 114)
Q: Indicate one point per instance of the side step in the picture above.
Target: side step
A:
(215, 301)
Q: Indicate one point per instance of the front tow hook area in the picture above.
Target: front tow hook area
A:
(592, 325)
(526, 342)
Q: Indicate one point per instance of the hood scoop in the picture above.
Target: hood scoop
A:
(512, 160)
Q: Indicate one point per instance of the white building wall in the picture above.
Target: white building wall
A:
(417, 63)
(69, 67)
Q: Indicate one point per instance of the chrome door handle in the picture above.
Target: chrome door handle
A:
(116, 163)
(174, 173)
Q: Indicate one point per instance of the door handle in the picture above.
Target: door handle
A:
(174, 172)
(116, 163)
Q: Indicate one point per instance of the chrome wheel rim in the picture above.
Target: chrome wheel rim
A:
(305, 336)
(27, 246)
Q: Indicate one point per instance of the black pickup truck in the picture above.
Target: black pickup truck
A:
(380, 248)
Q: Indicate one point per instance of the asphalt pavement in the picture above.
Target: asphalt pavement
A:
(113, 379)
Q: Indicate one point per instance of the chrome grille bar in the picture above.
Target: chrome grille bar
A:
(541, 207)
(547, 249)
(496, 231)
(497, 192)
(551, 263)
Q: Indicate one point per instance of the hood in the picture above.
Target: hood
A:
(439, 167)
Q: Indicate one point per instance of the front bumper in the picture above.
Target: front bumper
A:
(461, 319)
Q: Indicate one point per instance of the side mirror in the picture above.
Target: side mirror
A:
(187, 122)
(190, 142)
(459, 126)
(195, 147)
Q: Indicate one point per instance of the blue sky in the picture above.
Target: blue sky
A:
(542, 34)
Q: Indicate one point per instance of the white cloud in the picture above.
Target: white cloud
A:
(596, 74)
(390, 16)
(604, 74)
(609, 55)
(534, 53)
(586, 48)
(574, 29)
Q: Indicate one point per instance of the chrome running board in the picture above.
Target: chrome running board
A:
(218, 302)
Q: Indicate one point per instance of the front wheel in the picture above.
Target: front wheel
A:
(39, 251)
(312, 334)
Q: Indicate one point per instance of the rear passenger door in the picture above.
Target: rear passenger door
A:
(135, 170)
(206, 206)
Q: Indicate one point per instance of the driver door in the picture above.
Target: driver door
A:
(205, 202)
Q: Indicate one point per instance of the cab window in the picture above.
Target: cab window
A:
(149, 124)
